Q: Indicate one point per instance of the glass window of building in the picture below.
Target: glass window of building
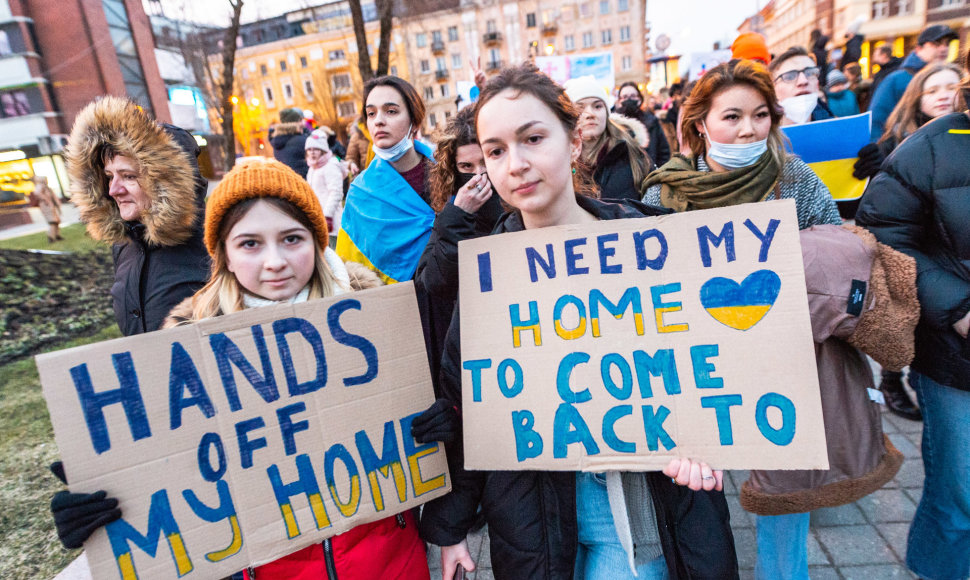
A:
(622, 5)
(569, 42)
(456, 61)
(607, 36)
(119, 29)
(530, 20)
(624, 33)
(604, 6)
(421, 40)
(425, 66)
(452, 34)
(587, 40)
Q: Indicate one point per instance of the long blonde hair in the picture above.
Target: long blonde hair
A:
(224, 295)
(611, 136)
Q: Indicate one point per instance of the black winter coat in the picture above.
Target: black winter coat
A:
(437, 274)
(532, 514)
(884, 71)
(919, 204)
(288, 141)
(658, 149)
(614, 175)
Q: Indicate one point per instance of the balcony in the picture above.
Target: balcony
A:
(493, 66)
(492, 38)
(438, 47)
(441, 74)
(342, 91)
(550, 29)
(338, 63)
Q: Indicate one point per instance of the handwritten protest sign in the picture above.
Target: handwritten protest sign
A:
(622, 344)
(242, 438)
(831, 148)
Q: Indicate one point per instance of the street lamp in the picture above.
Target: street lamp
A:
(255, 102)
(550, 48)
(234, 99)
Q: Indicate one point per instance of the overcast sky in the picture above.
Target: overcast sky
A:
(678, 19)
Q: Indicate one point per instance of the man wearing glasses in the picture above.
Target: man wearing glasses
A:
(796, 83)
(933, 45)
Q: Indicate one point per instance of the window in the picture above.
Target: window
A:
(337, 55)
(624, 34)
(607, 36)
(432, 121)
(586, 9)
(456, 61)
(490, 26)
(587, 40)
(622, 5)
(569, 42)
(341, 81)
(421, 40)
(441, 64)
(444, 90)
(346, 109)
(394, 71)
(905, 6)
(288, 93)
(447, 115)
(308, 88)
(626, 63)
(880, 9)
(245, 73)
(428, 93)
(452, 34)
(303, 62)
(530, 20)
(263, 70)
(4, 43)
(283, 65)
(494, 56)
(604, 6)
(14, 104)
(268, 95)
(436, 36)
(425, 66)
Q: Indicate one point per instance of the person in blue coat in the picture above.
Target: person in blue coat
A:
(842, 101)
(933, 45)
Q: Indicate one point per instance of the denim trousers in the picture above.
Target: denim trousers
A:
(600, 555)
(939, 538)
(782, 547)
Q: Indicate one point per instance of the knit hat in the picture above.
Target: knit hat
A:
(585, 87)
(751, 45)
(835, 77)
(261, 177)
(317, 140)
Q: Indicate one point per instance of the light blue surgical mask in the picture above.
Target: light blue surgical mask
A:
(734, 155)
(396, 151)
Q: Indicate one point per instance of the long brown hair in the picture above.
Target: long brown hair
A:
(459, 132)
(719, 79)
(907, 117)
(223, 294)
(526, 79)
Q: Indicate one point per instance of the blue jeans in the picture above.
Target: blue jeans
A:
(939, 538)
(782, 547)
(600, 555)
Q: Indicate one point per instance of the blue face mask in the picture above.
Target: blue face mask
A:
(396, 151)
(734, 155)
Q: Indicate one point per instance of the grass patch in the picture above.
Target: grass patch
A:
(29, 547)
(75, 236)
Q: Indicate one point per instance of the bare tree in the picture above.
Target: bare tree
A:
(385, 16)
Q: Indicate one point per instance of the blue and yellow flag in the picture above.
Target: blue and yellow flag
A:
(385, 224)
(830, 148)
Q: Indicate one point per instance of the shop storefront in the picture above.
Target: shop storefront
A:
(17, 170)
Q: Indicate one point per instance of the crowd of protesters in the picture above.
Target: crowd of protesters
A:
(530, 154)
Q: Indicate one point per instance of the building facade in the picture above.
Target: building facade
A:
(55, 58)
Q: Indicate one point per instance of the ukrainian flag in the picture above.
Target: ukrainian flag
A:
(385, 224)
(830, 148)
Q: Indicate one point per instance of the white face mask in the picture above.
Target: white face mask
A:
(734, 155)
(396, 151)
(799, 109)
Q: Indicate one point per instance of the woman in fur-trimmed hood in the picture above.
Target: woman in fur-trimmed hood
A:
(137, 186)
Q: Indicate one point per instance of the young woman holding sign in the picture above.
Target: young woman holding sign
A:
(267, 235)
(560, 525)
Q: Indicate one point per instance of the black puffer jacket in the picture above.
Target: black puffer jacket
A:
(532, 514)
(437, 274)
(159, 260)
(288, 141)
(614, 175)
(919, 204)
(658, 149)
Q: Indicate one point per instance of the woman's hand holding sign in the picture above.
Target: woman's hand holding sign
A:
(695, 475)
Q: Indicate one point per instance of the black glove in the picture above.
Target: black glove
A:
(869, 161)
(78, 515)
(441, 422)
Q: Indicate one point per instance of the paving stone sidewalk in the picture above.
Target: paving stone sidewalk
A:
(865, 540)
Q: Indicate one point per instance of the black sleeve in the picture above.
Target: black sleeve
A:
(437, 271)
(659, 148)
(897, 208)
(445, 521)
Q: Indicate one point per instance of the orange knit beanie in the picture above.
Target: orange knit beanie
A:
(261, 177)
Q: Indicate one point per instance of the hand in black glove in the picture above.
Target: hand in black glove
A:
(78, 515)
(869, 161)
(441, 422)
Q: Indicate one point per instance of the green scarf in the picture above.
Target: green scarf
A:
(683, 187)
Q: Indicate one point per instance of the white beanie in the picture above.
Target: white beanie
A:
(585, 87)
(317, 140)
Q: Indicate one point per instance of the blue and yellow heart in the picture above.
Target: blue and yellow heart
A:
(743, 305)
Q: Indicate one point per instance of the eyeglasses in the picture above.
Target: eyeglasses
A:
(792, 75)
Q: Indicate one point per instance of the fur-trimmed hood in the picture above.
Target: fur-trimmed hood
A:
(168, 173)
(280, 129)
(638, 129)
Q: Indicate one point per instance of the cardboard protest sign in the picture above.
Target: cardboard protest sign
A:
(622, 344)
(831, 148)
(242, 438)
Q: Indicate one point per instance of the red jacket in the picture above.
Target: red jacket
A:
(382, 549)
